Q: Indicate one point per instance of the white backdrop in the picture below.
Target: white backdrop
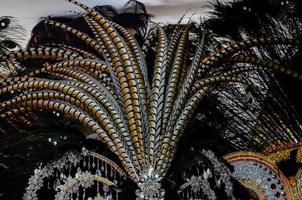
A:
(29, 12)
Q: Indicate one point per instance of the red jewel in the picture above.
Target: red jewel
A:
(277, 194)
(273, 186)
